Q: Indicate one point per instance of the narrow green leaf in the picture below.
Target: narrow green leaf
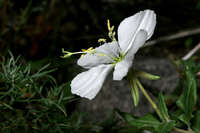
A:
(146, 75)
(188, 98)
(134, 89)
(135, 93)
(165, 127)
(7, 106)
(147, 121)
(163, 107)
(184, 119)
(196, 124)
(62, 108)
(175, 116)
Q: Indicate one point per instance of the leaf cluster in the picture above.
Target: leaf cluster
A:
(184, 113)
(31, 101)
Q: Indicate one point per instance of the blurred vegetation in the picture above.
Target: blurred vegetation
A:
(38, 29)
(35, 97)
(31, 101)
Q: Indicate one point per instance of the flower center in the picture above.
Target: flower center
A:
(115, 59)
(118, 58)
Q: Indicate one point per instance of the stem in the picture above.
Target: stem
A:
(182, 131)
(190, 53)
(149, 98)
(157, 109)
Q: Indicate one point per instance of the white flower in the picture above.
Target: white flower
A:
(132, 34)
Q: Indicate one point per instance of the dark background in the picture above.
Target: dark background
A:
(38, 29)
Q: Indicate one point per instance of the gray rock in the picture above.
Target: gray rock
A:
(116, 94)
(169, 77)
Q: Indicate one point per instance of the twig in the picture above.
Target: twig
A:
(191, 52)
(177, 130)
(178, 35)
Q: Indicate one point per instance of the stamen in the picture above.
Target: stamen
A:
(111, 32)
(108, 24)
(102, 40)
(68, 54)
(89, 50)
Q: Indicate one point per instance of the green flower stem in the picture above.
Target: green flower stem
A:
(156, 108)
(149, 98)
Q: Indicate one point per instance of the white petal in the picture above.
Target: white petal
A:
(93, 60)
(138, 43)
(128, 28)
(122, 68)
(103, 55)
(112, 49)
(88, 84)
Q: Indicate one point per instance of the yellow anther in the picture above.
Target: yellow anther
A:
(102, 40)
(112, 28)
(66, 53)
(108, 24)
(111, 33)
(89, 50)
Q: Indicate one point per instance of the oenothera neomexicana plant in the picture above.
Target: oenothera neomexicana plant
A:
(118, 55)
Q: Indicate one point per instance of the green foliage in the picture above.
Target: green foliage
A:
(165, 127)
(112, 124)
(196, 123)
(31, 101)
(163, 107)
(184, 117)
(134, 90)
(148, 122)
(188, 98)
